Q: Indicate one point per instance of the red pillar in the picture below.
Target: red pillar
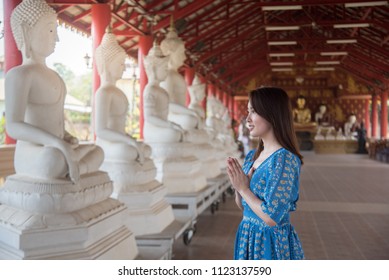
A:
(225, 99)
(145, 44)
(189, 76)
(367, 117)
(101, 17)
(211, 90)
(12, 56)
(219, 94)
(374, 116)
(236, 110)
(384, 115)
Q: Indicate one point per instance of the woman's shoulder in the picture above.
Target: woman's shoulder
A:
(286, 155)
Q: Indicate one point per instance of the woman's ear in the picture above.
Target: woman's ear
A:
(26, 40)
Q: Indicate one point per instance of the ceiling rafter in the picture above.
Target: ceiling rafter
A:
(218, 38)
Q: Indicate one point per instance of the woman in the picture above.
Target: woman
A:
(267, 183)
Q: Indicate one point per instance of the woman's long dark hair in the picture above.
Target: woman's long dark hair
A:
(273, 104)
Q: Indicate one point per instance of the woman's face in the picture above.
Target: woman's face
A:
(256, 124)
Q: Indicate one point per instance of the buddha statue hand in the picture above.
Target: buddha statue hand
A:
(73, 141)
(71, 160)
(141, 157)
(180, 129)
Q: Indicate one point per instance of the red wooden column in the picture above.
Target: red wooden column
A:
(145, 44)
(12, 56)
(189, 76)
(225, 99)
(367, 117)
(374, 116)
(219, 94)
(101, 18)
(236, 109)
(211, 90)
(384, 115)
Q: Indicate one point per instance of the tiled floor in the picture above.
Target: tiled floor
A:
(343, 213)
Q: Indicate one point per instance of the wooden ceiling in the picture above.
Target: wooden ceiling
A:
(232, 41)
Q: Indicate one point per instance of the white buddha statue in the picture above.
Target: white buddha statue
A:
(126, 160)
(175, 85)
(197, 95)
(205, 151)
(171, 152)
(157, 127)
(215, 127)
(35, 97)
(58, 203)
(322, 117)
(112, 107)
(350, 127)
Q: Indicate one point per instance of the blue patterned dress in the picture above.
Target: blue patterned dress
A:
(276, 183)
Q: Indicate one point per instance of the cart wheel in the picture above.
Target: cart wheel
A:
(188, 234)
(224, 197)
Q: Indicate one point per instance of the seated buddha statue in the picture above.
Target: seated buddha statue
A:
(322, 117)
(302, 115)
(172, 153)
(157, 127)
(197, 95)
(351, 127)
(112, 106)
(34, 100)
(175, 85)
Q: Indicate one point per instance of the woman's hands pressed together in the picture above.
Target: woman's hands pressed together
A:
(239, 180)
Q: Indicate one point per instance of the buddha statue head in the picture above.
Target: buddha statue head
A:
(110, 56)
(322, 108)
(196, 90)
(156, 64)
(301, 102)
(174, 47)
(33, 23)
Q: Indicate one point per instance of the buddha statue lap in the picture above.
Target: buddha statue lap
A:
(57, 190)
(171, 152)
(126, 160)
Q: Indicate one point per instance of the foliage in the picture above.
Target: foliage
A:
(79, 87)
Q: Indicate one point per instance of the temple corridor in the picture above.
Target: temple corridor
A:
(342, 214)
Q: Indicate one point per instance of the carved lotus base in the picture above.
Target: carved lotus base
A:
(61, 220)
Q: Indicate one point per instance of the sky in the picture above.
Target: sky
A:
(70, 50)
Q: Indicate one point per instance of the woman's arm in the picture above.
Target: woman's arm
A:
(240, 182)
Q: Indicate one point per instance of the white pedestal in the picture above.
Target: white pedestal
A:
(60, 220)
(177, 169)
(135, 186)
